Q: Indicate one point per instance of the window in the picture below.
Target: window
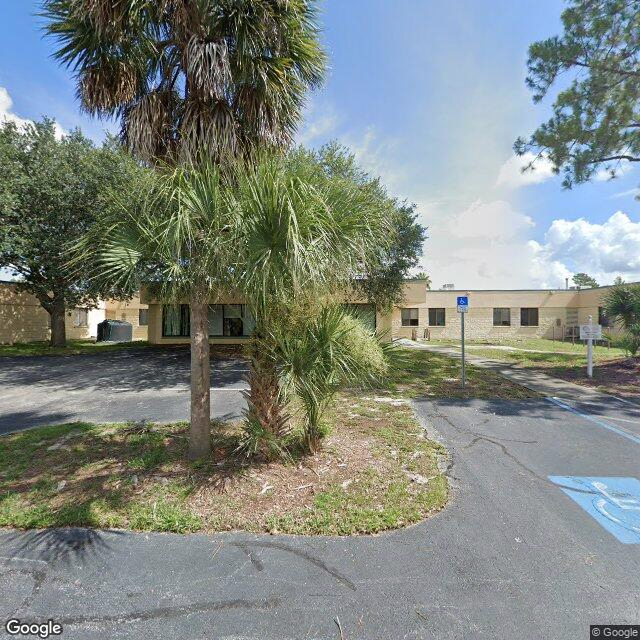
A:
(529, 317)
(409, 317)
(231, 320)
(602, 318)
(436, 317)
(81, 318)
(175, 321)
(501, 317)
(143, 317)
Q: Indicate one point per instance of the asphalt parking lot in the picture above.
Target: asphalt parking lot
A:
(136, 384)
(541, 538)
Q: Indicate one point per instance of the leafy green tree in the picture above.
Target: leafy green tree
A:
(381, 280)
(188, 80)
(52, 193)
(596, 115)
(584, 280)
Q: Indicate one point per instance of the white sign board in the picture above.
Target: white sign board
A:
(463, 304)
(591, 331)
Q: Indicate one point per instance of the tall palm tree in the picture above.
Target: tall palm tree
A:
(188, 79)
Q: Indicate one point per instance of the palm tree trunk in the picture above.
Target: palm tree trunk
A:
(200, 430)
(58, 328)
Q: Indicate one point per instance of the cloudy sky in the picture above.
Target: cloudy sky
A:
(430, 96)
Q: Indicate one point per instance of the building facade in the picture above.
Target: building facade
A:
(425, 314)
(498, 314)
(22, 318)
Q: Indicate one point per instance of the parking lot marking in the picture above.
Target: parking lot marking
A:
(601, 423)
(613, 502)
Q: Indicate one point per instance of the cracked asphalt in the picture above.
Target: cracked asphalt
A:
(510, 556)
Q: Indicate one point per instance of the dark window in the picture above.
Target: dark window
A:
(175, 321)
(82, 318)
(230, 320)
(436, 317)
(529, 317)
(409, 317)
(501, 317)
(602, 317)
(143, 317)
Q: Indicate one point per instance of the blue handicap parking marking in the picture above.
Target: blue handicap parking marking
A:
(613, 502)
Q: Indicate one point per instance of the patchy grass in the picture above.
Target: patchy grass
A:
(73, 348)
(376, 471)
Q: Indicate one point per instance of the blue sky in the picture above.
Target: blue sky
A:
(430, 96)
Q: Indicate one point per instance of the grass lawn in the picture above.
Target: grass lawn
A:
(73, 348)
(613, 371)
(377, 469)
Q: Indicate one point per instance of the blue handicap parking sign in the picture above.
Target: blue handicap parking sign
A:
(613, 502)
(463, 301)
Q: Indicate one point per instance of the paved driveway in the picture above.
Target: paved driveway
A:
(150, 384)
(512, 556)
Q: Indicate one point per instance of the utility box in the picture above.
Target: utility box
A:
(115, 331)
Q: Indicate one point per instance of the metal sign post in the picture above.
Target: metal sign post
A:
(590, 349)
(590, 332)
(463, 307)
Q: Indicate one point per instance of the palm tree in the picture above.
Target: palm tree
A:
(304, 236)
(189, 79)
(622, 303)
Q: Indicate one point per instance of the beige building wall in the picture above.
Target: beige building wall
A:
(22, 318)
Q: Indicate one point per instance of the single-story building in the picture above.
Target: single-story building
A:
(427, 314)
(22, 318)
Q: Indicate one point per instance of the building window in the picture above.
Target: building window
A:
(437, 317)
(230, 320)
(409, 317)
(501, 317)
(176, 321)
(81, 318)
(529, 317)
(603, 319)
(143, 317)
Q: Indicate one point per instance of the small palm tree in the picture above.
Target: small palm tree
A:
(622, 303)
(190, 79)
(304, 237)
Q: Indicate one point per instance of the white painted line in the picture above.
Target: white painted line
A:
(601, 423)
(16, 559)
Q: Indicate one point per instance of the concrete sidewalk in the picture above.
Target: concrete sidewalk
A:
(535, 380)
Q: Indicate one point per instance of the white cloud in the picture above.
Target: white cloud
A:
(511, 175)
(604, 250)
(7, 115)
(612, 172)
